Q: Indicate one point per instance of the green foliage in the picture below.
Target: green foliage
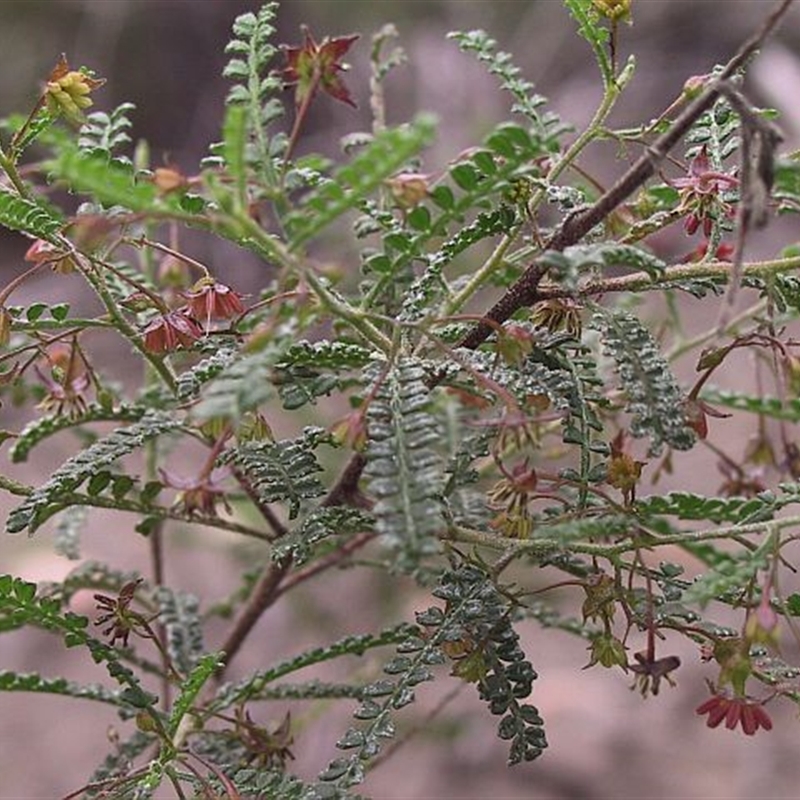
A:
(241, 385)
(109, 183)
(55, 494)
(545, 125)
(252, 686)
(179, 613)
(773, 407)
(41, 429)
(479, 618)
(33, 682)
(591, 29)
(434, 383)
(731, 510)
(320, 525)
(252, 108)
(653, 397)
(403, 469)
(283, 471)
(349, 185)
(104, 134)
(31, 216)
(190, 688)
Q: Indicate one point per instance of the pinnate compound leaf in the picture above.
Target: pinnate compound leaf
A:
(592, 29)
(240, 386)
(21, 214)
(179, 614)
(404, 471)
(191, 687)
(385, 155)
(107, 182)
(104, 134)
(255, 684)
(727, 510)
(281, 471)
(545, 125)
(654, 398)
(773, 407)
(33, 682)
(320, 525)
(54, 494)
(42, 428)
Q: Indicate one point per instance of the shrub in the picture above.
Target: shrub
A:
(485, 456)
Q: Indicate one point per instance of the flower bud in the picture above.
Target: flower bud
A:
(67, 91)
(607, 651)
(615, 10)
(409, 189)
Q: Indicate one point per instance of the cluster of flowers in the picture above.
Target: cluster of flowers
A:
(206, 300)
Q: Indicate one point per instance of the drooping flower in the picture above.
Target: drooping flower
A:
(650, 671)
(409, 189)
(67, 380)
(313, 66)
(696, 413)
(608, 651)
(558, 314)
(511, 495)
(701, 194)
(623, 470)
(209, 299)
(269, 749)
(749, 714)
(167, 332)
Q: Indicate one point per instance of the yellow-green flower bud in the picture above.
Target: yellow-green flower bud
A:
(67, 91)
(615, 10)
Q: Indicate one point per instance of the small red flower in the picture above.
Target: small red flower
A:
(199, 495)
(211, 300)
(67, 381)
(650, 670)
(696, 413)
(117, 614)
(701, 194)
(735, 711)
(170, 331)
(42, 252)
(313, 65)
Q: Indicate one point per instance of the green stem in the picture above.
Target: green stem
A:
(594, 130)
(124, 327)
(343, 310)
(543, 547)
(10, 168)
(456, 303)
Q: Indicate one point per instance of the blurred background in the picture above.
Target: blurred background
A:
(166, 56)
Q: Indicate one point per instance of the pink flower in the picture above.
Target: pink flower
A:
(701, 194)
(170, 331)
(735, 711)
(211, 300)
(199, 495)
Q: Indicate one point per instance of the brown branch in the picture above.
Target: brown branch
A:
(270, 586)
(331, 560)
(265, 593)
(525, 292)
